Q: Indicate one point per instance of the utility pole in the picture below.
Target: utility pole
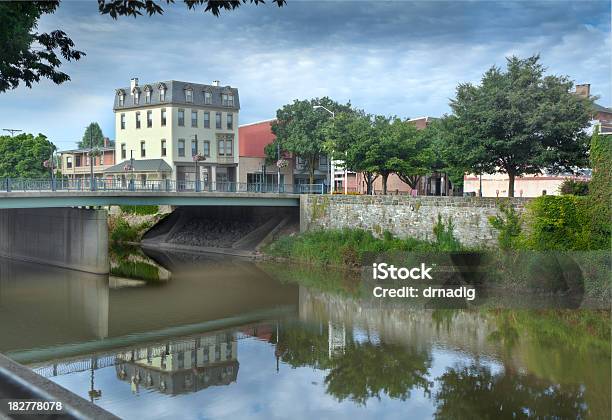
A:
(278, 167)
(91, 159)
(12, 131)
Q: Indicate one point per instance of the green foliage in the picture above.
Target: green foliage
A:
(301, 130)
(136, 270)
(509, 226)
(122, 231)
(139, 210)
(520, 121)
(26, 55)
(349, 246)
(573, 187)
(22, 156)
(558, 223)
(92, 136)
(600, 191)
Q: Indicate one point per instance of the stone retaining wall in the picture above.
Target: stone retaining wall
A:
(405, 216)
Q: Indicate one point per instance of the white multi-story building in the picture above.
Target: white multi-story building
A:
(160, 127)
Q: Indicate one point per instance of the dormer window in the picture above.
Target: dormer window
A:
(162, 92)
(121, 96)
(148, 94)
(136, 93)
(227, 99)
(189, 95)
(207, 98)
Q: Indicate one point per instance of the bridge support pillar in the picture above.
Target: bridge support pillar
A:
(71, 238)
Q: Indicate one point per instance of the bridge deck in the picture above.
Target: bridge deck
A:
(39, 199)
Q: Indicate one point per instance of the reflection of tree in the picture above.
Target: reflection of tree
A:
(474, 392)
(367, 370)
(362, 370)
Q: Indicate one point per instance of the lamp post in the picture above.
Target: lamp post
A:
(331, 171)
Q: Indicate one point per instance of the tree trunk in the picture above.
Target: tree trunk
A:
(511, 177)
(384, 182)
(311, 170)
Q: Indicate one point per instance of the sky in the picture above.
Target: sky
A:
(402, 58)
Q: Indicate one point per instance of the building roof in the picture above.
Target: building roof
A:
(102, 149)
(254, 138)
(601, 108)
(175, 95)
(141, 165)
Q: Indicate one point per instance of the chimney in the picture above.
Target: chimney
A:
(216, 83)
(106, 142)
(583, 90)
(133, 83)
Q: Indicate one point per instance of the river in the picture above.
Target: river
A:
(204, 336)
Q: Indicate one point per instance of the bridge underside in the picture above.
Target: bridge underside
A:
(23, 200)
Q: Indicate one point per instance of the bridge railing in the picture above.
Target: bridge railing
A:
(153, 186)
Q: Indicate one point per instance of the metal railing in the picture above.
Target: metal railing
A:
(166, 185)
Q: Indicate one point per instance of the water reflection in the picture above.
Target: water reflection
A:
(229, 338)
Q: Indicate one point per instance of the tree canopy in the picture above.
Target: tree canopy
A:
(22, 156)
(92, 136)
(520, 121)
(301, 129)
(28, 56)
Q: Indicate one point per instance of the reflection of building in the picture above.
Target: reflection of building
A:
(75, 163)
(173, 121)
(182, 366)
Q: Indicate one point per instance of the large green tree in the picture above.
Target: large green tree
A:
(27, 56)
(23, 156)
(92, 136)
(415, 155)
(521, 121)
(301, 130)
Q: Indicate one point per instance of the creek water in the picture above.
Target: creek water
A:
(202, 336)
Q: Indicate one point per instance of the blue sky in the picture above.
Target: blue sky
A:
(397, 58)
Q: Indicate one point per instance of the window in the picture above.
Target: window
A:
(194, 118)
(148, 97)
(206, 149)
(224, 146)
(138, 120)
(323, 160)
(78, 160)
(227, 99)
(230, 121)
(123, 151)
(224, 99)
(181, 118)
(194, 147)
(208, 98)
(136, 97)
(143, 149)
(149, 119)
(162, 94)
(69, 162)
(207, 119)
(181, 147)
(123, 121)
(163, 147)
(121, 99)
(163, 117)
(218, 120)
(189, 96)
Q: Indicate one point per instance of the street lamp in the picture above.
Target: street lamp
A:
(331, 170)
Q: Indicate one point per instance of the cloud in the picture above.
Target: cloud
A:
(400, 58)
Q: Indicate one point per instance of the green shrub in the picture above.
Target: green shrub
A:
(122, 231)
(558, 223)
(509, 226)
(600, 191)
(573, 187)
(140, 210)
(445, 237)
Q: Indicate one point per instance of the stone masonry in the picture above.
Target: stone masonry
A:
(406, 216)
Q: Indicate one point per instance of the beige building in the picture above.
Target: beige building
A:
(168, 123)
(75, 164)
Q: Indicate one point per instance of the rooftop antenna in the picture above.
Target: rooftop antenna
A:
(12, 131)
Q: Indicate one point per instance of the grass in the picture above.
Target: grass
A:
(140, 210)
(136, 270)
(122, 231)
(348, 246)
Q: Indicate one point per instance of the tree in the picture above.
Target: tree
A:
(93, 135)
(415, 154)
(22, 156)
(27, 56)
(520, 121)
(301, 130)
